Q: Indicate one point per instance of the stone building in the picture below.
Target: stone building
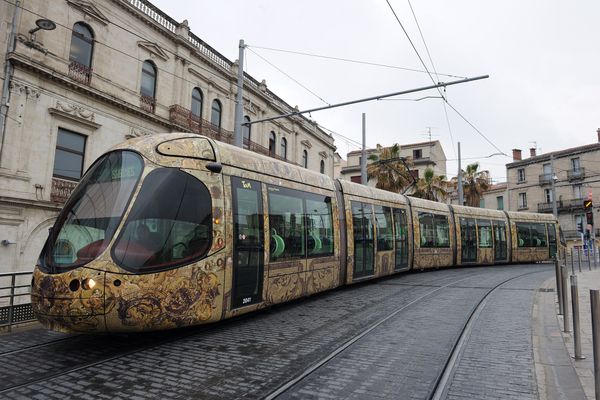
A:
(576, 175)
(422, 155)
(108, 71)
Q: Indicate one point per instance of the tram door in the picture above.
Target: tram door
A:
(401, 239)
(552, 245)
(468, 236)
(248, 242)
(362, 225)
(500, 241)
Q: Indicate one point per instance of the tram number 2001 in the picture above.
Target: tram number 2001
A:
(247, 300)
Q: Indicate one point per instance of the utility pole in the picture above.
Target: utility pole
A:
(239, 102)
(460, 184)
(363, 158)
(553, 178)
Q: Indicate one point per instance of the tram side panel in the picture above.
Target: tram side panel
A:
(433, 239)
(531, 241)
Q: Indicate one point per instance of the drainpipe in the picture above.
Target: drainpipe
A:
(8, 73)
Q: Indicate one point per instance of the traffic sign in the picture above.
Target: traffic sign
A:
(587, 204)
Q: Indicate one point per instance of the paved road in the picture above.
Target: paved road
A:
(252, 356)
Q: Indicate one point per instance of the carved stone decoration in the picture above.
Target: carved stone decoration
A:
(134, 133)
(154, 49)
(75, 113)
(76, 110)
(323, 154)
(89, 10)
(306, 143)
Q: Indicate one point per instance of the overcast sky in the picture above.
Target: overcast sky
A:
(543, 58)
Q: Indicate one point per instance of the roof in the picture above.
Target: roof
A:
(557, 154)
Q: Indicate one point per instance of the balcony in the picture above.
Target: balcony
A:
(547, 207)
(545, 179)
(147, 103)
(80, 73)
(61, 190)
(576, 174)
(561, 206)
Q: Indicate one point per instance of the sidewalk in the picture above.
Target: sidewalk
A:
(585, 368)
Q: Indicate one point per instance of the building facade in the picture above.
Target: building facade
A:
(108, 71)
(576, 175)
(420, 155)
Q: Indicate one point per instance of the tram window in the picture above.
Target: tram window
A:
(538, 235)
(434, 229)
(442, 231)
(169, 224)
(485, 234)
(319, 221)
(523, 235)
(383, 218)
(286, 219)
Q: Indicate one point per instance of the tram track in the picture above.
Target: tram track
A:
(443, 378)
(80, 346)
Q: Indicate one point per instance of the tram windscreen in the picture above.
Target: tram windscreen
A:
(92, 214)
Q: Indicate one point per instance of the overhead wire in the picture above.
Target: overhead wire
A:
(431, 77)
(350, 60)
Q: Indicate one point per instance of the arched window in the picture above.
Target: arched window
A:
(272, 141)
(284, 148)
(322, 166)
(246, 132)
(215, 115)
(305, 159)
(148, 86)
(80, 56)
(197, 103)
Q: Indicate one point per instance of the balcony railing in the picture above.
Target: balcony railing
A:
(545, 179)
(147, 103)
(61, 190)
(575, 174)
(546, 207)
(81, 73)
(184, 118)
(561, 206)
(15, 291)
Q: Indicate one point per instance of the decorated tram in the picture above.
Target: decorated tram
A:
(173, 230)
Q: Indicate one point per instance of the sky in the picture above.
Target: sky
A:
(543, 59)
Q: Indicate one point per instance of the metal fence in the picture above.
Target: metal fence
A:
(15, 303)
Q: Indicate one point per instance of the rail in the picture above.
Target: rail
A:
(13, 312)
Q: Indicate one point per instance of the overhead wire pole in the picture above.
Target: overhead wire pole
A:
(383, 96)
(239, 102)
(363, 158)
(461, 200)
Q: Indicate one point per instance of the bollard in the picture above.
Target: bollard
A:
(579, 258)
(559, 270)
(565, 300)
(595, 303)
(573, 260)
(589, 261)
(576, 325)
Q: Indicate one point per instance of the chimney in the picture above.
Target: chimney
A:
(532, 152)
(516, 154)
(598, 132)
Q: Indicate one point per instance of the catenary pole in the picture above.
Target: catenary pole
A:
(461, 200)
(363, 158)
(239, 102)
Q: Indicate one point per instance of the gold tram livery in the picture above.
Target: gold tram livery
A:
(175, 230)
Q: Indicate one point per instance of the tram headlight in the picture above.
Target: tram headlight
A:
(88, 283)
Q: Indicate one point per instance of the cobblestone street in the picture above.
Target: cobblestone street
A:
(252, 356)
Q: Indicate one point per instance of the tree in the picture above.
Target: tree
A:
(431, 186)
(388, 169)
(474, 184)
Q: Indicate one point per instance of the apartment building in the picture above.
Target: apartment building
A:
(97, 73)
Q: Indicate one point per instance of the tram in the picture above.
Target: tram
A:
(174, 230)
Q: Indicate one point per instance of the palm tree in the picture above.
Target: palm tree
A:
(431, 186)
(474, 184)
(388, 169)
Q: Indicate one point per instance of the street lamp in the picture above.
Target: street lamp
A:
(43, 24)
